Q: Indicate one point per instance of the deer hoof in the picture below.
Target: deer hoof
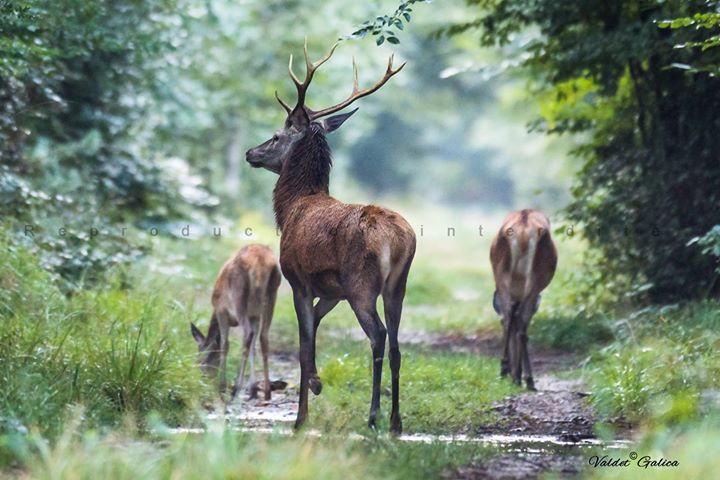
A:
(298, 424)
(395, 425)
(372, 423)
(315, 385)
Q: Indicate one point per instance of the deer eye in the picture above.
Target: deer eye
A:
(275, 138)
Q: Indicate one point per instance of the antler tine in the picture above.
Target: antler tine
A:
(287, 107)
(294, 77)
(356, 93)
(310, 69)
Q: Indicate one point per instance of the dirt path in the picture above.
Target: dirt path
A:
(556, 412)
(557, 409)
(558, 406)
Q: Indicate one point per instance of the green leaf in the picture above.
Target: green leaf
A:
(407, 16)
(393, 40)
(379, 41)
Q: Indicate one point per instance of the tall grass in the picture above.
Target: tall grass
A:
(215, 454)
(664, 368)
(114, 351)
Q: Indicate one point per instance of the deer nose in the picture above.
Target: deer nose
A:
(250, 158)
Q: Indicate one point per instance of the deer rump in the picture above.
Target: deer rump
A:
(523, 257)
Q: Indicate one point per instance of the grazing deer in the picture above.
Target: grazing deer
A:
(331, 250)
(523, 258)
(244, 295)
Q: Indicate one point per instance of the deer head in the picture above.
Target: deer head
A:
(272, 153)
(209, 349)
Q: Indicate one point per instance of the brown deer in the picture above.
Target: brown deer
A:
(523, 258)
(244, 295)
(331, 250)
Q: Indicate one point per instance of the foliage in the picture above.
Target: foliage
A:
(382, 27)
(647, 184)
(76, 86)
(701, 20)
(710, 246)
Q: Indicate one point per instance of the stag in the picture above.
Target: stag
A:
(333, 251)
(523, 258)
(244, 295)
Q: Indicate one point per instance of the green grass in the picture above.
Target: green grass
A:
(663, 366)
(694, 445)
(440, 392)
(114, 351)
(220, 454)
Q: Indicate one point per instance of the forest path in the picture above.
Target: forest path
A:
(548, 430)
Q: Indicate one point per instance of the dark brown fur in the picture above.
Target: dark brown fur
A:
(523, 258)
(330, 250)
(335, 251)
(244, 295)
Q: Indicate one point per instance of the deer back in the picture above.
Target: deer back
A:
(245, 281)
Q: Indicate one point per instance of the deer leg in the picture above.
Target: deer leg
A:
(224, 345)
(322, 308)
(505, 361)
(304, 312)
(255, 328)
(266, 372)
(526, 361)
(517, 357)
(265, 322)
(393, 311)
(248, 335)
(514, 344)
(369, 320)
(508, 329)
(528, 311)
(507, 324)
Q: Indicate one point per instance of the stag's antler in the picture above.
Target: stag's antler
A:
(310, 69)
(356, 92)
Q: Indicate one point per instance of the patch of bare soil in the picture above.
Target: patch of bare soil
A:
(558, 408)
(252, 410)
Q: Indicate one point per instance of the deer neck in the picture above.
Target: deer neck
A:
(305, 172)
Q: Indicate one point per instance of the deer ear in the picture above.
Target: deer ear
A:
(197, 335)
(331, 124)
